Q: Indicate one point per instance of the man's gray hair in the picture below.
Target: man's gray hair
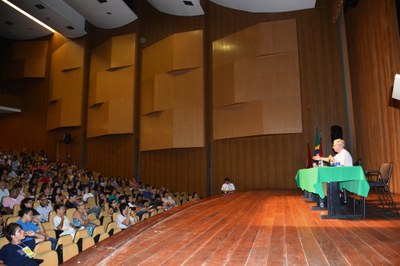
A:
(339, 142)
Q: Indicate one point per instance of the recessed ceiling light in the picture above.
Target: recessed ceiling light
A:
(39, 6)
(28, 15)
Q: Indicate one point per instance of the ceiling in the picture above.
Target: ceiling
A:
(68, 17)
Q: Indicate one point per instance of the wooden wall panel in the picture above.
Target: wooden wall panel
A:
(28, 60)
(66, 89)
(374, 55)
(176, 169)
(175, 87)
(112, 155)
(112, 83)
(262, 70)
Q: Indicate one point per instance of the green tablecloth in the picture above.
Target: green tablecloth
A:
(351, 178)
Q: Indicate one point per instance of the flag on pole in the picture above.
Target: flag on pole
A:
(309, 159)
(320, 145)
(317, 148)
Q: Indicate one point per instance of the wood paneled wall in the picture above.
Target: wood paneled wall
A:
(272, 161)
(178, 169)
(251, 162)
(374, 53)
(115, 154)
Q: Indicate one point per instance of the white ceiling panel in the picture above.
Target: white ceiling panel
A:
(104, 14)
(57, 14)
(15, 26)
(269, 6)
(178, 7)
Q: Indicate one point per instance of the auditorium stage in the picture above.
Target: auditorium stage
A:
(263, 227)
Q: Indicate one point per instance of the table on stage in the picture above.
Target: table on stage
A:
(351, 178)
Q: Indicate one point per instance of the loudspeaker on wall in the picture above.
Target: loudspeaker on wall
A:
(336, 132)
(67, 138)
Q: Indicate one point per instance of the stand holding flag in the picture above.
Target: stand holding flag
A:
(309, 159)
(317, 149)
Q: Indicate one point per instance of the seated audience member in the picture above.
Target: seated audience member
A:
(101, 201)
(195, 196)
(80, 218)
(57, 191)
(147, 194)
(46, 190)
(27, 203)
(78, 188)
(20, 188)
(73, 198)
(168, 201)
(61, 222)
(3, 190)
(140, 207)
(108, 187)
(95, 209)
(32, 191)
(29, 222)
(125, 218)
(18, 252)
(227, 187)
(5, 176)
(113, 207)
(122, 199)
(10, 201)
(131, 201)
(44, 208)
(1, 225)
(87, 194)
(113, 195)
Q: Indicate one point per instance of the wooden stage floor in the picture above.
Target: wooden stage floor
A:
(264, 227)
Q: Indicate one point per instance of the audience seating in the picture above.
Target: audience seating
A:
(103, 236)
(50, 258)
(91, 202)
(69, 251)
(5, 217)
(3, 241)
(70, 213)
(47, 226)
(52, 214)
(145, 216)
(16, 209)
(42, 247)
(83, 233)
(64, 240)
(115, 216)
(67, 246)
(12, 219)
(87, 243)
(112, 225)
